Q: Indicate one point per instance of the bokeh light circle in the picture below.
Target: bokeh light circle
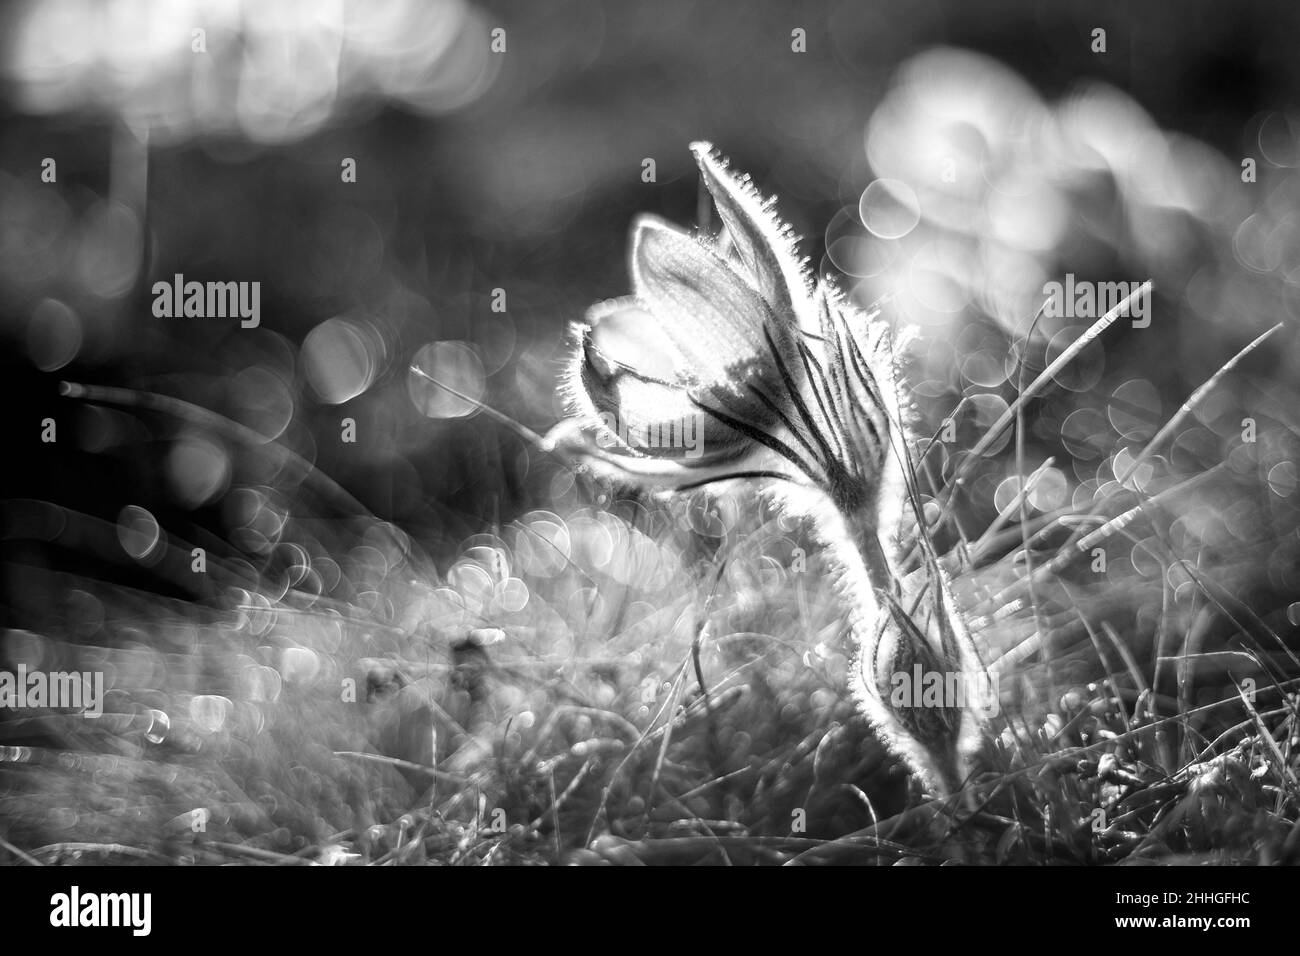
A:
(455, 365)
(137, 532)
(889, 208)
(54, 335)
(340, 360)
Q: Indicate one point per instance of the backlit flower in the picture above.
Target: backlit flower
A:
(728, 360)
(773, 370)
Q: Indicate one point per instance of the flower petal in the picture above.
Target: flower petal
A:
(710, 314)
(621, 383)
(664, 474)
(622, 336)
(763, 243)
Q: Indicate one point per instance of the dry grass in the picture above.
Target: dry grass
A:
(673, 690)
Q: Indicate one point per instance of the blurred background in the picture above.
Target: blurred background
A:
(450, 183)
(1005, 152)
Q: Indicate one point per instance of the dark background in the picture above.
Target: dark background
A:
(521, 172)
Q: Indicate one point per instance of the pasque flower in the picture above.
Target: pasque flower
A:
(734, 334)
(777, 377)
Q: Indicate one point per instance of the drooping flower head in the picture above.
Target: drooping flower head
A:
(733, 332)
(729, 360)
